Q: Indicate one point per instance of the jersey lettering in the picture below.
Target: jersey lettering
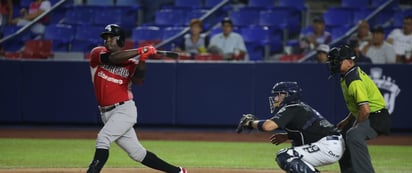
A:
(311, 149)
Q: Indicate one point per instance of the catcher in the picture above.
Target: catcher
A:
(315, 141)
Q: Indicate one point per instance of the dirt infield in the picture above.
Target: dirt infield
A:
(143, 134)
(198, 135)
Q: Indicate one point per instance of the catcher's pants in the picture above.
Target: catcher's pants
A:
(118, 127)
(326, 151)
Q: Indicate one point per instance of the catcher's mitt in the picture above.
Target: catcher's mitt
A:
(245, 122)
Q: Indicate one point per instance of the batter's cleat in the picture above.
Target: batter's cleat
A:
(182, 170)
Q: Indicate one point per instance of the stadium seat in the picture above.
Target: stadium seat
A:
(151, 34)
(261, 3)
(245, 17)
(86, 37)
(361, 14)
(338, 16)
(395, 5)
(208, 57)
(255, 39)
(211, 3)
(60, 35)
(170, 32)
(25, 3)
(78, 15)
(100, 2)
(127, 2)
(283, 17)
(170, 17)
(38, 49)
(298, 4)
(189, 3)
(355, 3)
(17, 42)
(115, 16)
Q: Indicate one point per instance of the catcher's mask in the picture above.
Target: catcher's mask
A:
(114, 30)
(335, 57)
(292, 93)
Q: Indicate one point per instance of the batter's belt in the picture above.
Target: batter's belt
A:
(104, 109)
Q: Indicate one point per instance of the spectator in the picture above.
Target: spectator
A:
(194, 42)
(228, 43)
(312, 39)
(380, 51)
(322, 53)
(401, 39)
(360, 58)
(6, 14)
(37, 7)
(363, 34)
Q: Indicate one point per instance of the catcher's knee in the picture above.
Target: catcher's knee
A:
(292, 163)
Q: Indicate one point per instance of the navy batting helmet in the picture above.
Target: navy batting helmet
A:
(114, 30)
(336, 55)
(291, 90)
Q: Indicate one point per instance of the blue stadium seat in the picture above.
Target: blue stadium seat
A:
(25, 3)
(127, 2)
(211, 3)
(361, 14)
(60, 35)
(189, 3)
(146, 33)
(57, 16)
(79, 15)
(338, 17)
(395, 5)
(170, 32)
(12, 45)
(261, 3)
(338, 31)
(245, 17)
(86, 37)
(115, 16)
(100, 2)
(298, 4)
(255, 39)
(281, 17)
(170, 17)
(355, 3)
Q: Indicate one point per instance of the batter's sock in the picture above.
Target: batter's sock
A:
(152, 161)
(100, 158)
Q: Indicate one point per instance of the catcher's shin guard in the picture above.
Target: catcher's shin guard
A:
(293, 163)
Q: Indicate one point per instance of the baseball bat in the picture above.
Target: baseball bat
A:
(169, 54)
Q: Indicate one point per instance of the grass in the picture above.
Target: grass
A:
(59, 153)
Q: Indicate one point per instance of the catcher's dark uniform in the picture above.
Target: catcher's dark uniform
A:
(314, 139)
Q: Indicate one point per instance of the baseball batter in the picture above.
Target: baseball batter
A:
(315, 141)
(113, 72)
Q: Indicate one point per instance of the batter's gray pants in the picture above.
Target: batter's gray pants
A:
(118, 127)
(356, 158)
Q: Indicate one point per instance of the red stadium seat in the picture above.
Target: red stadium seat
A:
(38, 49)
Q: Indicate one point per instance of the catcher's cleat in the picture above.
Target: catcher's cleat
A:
(182, 170)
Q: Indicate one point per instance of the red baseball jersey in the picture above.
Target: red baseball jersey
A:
(112, 83)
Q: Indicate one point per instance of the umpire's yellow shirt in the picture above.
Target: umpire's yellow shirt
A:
(359, 89)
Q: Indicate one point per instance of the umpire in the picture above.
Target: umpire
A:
(368, 116)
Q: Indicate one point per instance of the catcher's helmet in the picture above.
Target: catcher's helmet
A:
(291, 90)
(336, 55)
(115, 30)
